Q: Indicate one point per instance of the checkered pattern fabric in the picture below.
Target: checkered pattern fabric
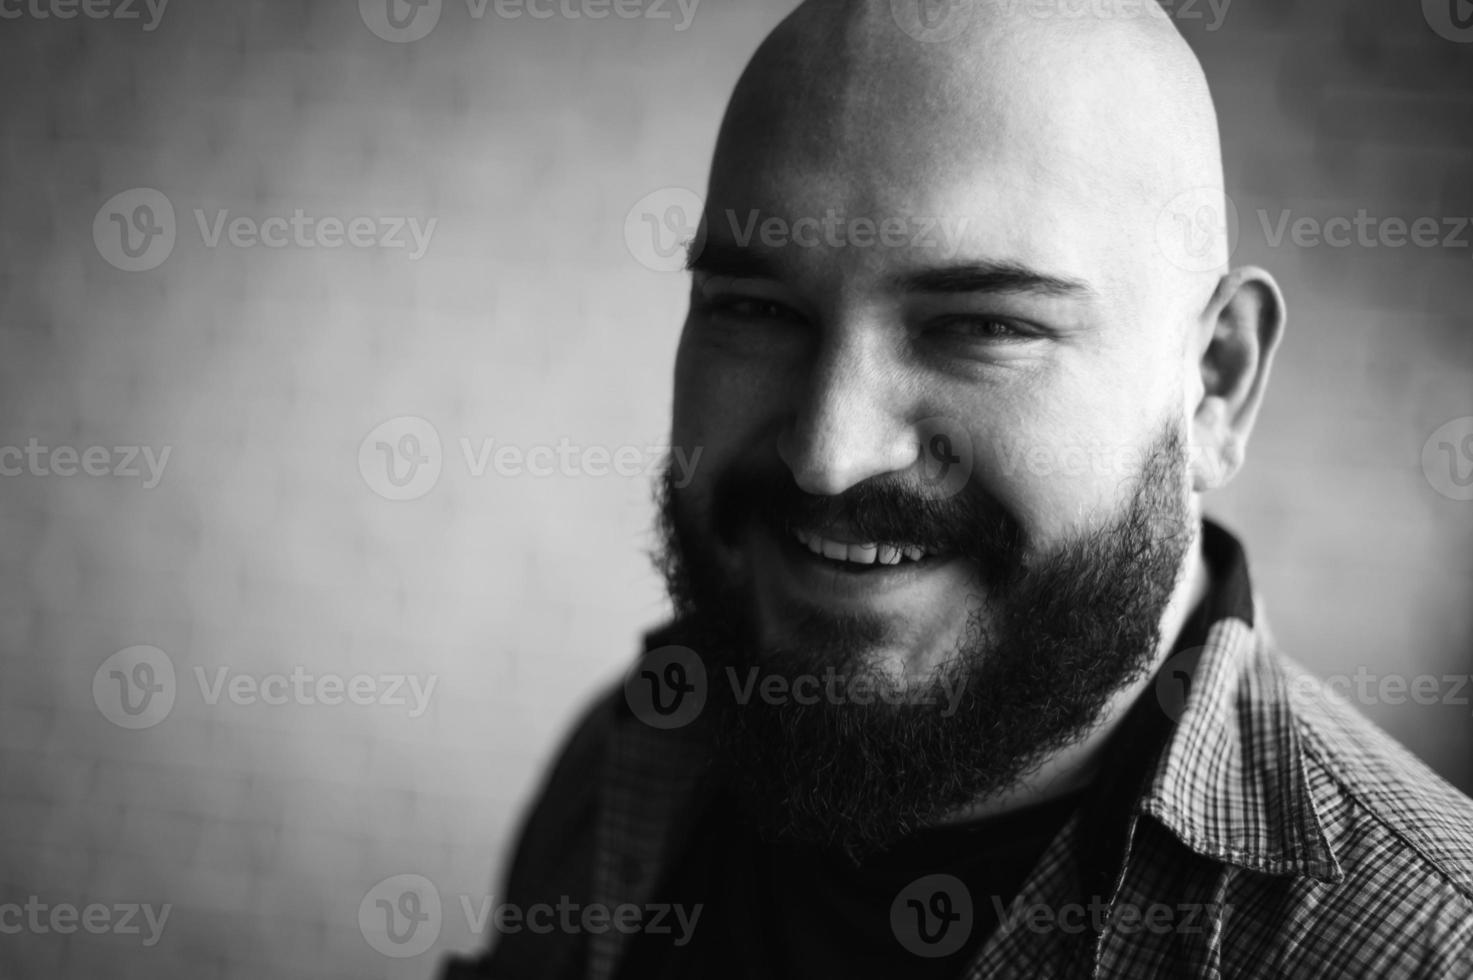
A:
(1254, 827)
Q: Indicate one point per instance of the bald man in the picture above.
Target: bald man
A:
(959, 681)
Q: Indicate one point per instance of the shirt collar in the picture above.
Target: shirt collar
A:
(1230, 781)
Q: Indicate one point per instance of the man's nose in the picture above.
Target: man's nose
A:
(849, 424)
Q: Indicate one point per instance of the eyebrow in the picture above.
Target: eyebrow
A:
(996, 277)
(990, 277)
(721, 258)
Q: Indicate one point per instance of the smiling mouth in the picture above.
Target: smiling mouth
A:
(799, 568)
(857, 555)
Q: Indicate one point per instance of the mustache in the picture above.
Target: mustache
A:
(883, 509)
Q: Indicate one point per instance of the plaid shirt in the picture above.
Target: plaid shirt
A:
(1248, 824)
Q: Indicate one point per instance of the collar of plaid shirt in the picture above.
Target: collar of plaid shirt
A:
(1246, 823)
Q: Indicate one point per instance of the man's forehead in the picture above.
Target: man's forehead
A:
(857, 219)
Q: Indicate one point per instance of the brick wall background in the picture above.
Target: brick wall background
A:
(263, 548)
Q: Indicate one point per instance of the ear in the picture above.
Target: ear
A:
(1241, 329)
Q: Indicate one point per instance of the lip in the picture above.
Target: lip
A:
(789, 566)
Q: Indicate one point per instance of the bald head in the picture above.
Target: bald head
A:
(1095, 132)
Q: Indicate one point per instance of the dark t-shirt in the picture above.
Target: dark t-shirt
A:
(783, 910)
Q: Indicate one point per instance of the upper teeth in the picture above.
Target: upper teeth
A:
(860, 554)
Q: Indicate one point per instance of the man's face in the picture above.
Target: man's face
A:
(937, 386)
(1006, 310)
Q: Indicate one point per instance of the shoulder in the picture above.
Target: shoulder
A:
(1401, 837)
(565, 805)
(554, 852)
(1370, 791)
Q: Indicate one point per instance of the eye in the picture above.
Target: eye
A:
(983, 328)
(752, 308)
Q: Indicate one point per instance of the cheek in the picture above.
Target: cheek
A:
(1064, 451)
(691, 410)
(715, 413)
(1060, 480)
(723, 403)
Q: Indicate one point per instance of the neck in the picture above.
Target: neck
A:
(1072, 767)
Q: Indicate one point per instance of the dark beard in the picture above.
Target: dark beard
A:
(1065, 631)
